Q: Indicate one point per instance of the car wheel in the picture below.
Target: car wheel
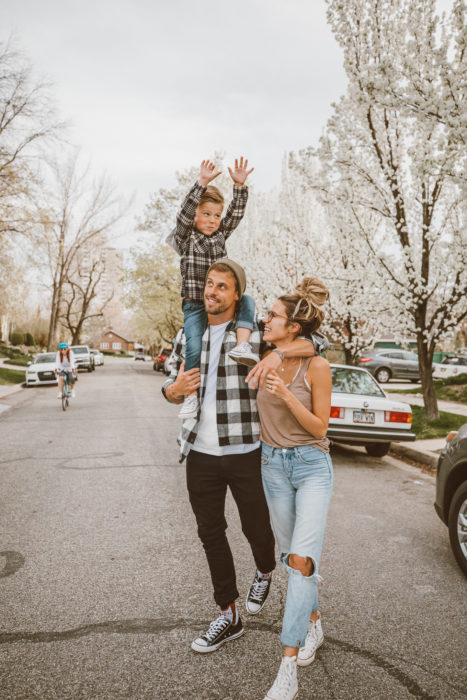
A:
(377, 449)
(383, 375)
(457, 523)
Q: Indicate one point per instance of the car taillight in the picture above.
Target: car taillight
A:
(450, 435)
(397, 417)
(365, 359)
(337, 412)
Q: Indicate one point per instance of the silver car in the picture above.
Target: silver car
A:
(388, 363)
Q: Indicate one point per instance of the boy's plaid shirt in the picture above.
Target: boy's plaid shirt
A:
(198, 252)
(237, 415)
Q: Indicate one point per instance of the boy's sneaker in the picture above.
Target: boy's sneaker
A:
(189, 407)
(257, 594)
(220, 631)
(244, 355)
(314, 639)
(285, 687)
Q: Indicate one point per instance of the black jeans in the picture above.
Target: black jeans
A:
(207, 480)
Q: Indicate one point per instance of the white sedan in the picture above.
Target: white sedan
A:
(42, 370)
(451, 366)
(362, 414)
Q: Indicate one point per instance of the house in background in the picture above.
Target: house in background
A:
(113, 342)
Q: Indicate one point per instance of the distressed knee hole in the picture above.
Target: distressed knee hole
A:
(304, 565)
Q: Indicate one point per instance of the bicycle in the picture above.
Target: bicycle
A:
(65, 392)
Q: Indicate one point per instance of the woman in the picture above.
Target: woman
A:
(65, 364)
(294, 407)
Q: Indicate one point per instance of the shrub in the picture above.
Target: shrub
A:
(29, 339)
(17, 338)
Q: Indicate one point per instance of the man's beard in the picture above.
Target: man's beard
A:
(216, 310)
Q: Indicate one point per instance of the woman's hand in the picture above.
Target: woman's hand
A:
(275, 385)
(258, 374)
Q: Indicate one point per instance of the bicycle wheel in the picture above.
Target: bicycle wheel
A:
(64, 401)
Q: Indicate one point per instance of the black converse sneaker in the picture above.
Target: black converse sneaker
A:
(257, 594)
(220, 631)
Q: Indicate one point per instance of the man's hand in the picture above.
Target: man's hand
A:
(186, 382)
(240, 173)
(207, 172)
(260, 371)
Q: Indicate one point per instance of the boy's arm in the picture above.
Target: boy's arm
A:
(186, 215)
(235, 211)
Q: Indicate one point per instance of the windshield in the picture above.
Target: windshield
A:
(353, 381)
(39, 359)
(80, 351)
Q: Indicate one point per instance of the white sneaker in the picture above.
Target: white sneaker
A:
(189, 407)
(244, 355)
(59, 396)
(314, 639)
(285, 687)
(73, 394)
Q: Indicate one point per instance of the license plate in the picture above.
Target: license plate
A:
(48, 374)
(363, 416)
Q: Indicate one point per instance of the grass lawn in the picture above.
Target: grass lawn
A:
(449, 389)
(11, 376)
(427, 430)
(19, 361)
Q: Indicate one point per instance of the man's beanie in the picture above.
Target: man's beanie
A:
(238, 271)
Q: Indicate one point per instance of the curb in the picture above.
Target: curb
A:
(13, 390)
(417, 455)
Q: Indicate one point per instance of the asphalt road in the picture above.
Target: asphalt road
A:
(104, 582)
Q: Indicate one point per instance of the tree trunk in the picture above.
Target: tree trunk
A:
(425, 359)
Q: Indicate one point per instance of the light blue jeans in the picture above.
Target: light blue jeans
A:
(297, 483)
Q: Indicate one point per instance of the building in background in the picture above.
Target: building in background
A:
(114, 342)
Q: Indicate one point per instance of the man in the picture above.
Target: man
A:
(223, 449)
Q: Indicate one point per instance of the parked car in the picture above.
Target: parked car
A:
(387, 363)
(161, 358)
(450, 366)
(140, 356)
(98, 357)
(42, 370)
(83, 357)
(362, 414)
(167, 368)
(451, 492)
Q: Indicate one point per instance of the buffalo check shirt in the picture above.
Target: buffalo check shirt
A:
(198, 252)
(237, 415)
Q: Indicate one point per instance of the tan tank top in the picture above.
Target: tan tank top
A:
(279, 427)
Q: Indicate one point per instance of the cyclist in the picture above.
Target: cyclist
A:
(65, 361)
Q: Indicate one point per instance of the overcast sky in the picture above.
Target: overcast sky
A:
(154, 86)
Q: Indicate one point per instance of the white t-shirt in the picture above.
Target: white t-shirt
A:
(65, 365)
(207, 439)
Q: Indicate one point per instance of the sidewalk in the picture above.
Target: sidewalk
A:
(448, 406)
(423, 451)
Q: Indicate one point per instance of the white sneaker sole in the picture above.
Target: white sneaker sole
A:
(248, 360)
(214, 647)
(309, 660)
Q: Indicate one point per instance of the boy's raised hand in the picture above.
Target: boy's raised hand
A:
(240, 173)
(207, 172)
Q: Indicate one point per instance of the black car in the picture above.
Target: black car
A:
(451, 492)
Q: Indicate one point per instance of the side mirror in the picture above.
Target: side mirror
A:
(29, 363)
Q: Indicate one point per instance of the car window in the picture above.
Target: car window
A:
(353, 381)
(50, 357)
(80, 351)
(411, 356)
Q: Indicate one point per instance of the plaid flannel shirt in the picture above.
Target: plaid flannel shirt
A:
(237, 415)
(198, 252)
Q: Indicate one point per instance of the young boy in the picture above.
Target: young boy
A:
(199, 237)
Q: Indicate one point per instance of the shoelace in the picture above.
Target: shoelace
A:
(217, 626)
(258, 589)
(285, 677)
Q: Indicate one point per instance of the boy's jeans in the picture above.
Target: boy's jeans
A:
(195, 320)
(297, 483)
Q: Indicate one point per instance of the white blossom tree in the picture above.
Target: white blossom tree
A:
(395, 147)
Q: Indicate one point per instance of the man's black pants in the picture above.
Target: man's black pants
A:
(207, 479)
